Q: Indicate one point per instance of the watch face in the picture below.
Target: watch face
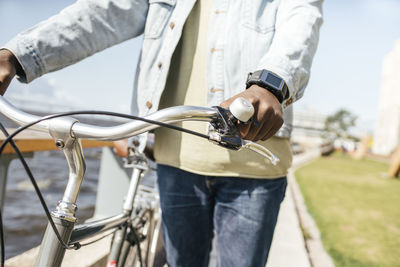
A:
(272, 80)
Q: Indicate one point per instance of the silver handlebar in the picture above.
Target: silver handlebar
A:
(125, 130)
(168, 115)
(20, 117)
(110, 133)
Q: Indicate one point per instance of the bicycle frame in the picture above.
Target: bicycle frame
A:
(51, 251)
(84, 231)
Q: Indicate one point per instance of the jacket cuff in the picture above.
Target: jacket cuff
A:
(27, 57)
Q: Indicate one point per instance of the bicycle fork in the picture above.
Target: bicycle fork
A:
(51, 250)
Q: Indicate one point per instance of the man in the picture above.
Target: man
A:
(198, 53)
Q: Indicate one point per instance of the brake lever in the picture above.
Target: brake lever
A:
(237, 145)
(226, 134)
(263, 151)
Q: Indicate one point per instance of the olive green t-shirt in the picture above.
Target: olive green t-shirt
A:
(187, 85)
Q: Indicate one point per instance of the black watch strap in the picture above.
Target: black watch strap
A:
(270, 81)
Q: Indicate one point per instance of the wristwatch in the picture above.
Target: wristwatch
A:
(270, 81)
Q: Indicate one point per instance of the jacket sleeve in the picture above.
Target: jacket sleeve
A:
(78, 31)
(294, 44)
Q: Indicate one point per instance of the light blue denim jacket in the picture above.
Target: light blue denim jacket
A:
(244, 36)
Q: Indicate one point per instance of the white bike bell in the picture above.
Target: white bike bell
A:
(242, 109)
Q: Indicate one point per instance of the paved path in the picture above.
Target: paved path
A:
(288, 246)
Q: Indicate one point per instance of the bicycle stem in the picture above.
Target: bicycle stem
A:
(60, 130)
(64, 215)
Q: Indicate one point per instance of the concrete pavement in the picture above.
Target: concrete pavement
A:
(288, 246)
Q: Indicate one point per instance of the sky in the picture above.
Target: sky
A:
(346, 73)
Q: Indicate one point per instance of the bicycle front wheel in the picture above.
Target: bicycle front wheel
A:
(143, 246)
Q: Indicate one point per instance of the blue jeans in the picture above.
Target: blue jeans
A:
(242, 211)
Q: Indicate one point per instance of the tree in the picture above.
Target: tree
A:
(338, 124)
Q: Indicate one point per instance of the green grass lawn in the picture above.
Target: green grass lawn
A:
(356, 208)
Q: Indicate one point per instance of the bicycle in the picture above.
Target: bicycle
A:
(137, 229)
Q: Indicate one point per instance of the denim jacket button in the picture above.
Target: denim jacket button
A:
(149, 104)
(172, 25)
(159, 65)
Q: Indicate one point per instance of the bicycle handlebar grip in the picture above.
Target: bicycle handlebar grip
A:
(241, 109)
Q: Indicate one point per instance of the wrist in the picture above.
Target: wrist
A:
(9, 66)
(260, 93)
(269, 81)
(10, 62)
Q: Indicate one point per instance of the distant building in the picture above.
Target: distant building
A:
(387, 131)
(308, 127)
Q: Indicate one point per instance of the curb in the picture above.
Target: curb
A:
(316, 252)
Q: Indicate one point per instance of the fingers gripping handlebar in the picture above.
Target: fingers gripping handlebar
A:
(226, 134)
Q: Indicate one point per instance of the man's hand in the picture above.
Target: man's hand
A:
(8, 68)
(268, 113)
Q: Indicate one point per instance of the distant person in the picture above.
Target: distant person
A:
(197, 53)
